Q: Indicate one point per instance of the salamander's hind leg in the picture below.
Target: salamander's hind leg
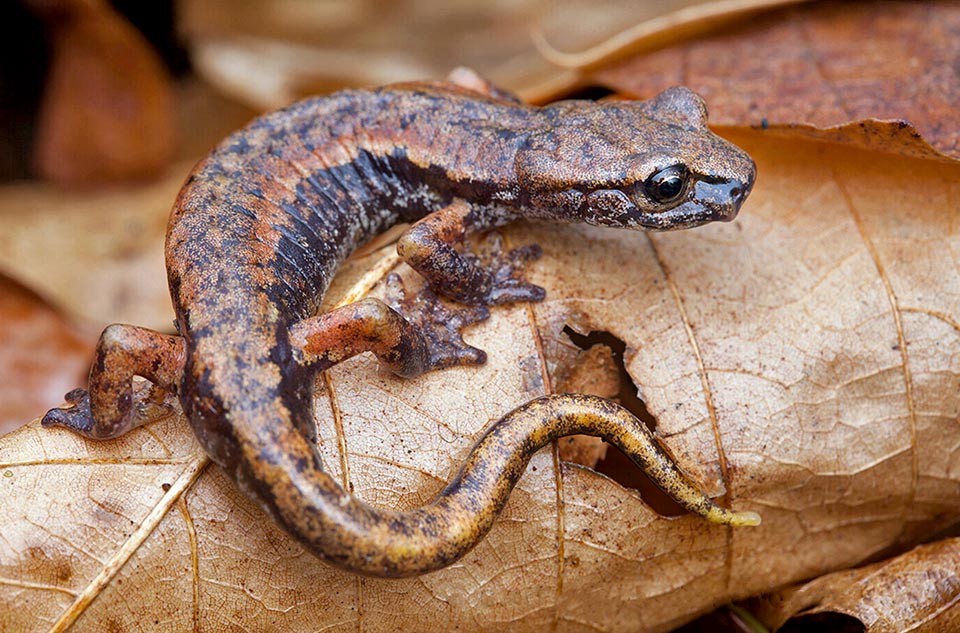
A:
(113, 405)
(430, 247)
(429, 338)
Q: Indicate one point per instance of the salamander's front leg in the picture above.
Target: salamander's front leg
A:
(111, 408)
(471, 80)
(430, 248)
(429, 340)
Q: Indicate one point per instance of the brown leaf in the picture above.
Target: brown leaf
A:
(803, 362)
(818, 68)
(41, 356)
(916, 591)
(108, 109)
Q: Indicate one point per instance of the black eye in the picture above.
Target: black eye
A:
(667, 184)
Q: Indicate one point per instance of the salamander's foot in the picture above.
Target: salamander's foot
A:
(439, 322)
(150, 403)
(76, 416)
(507, 270)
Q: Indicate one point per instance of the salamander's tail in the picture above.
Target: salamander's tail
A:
(280, 467)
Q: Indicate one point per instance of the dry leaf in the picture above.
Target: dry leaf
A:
(917, 591)
(803, 362)
(108, 111)
(41, 355)
(97, 255)
(820, 69)
(268, 53)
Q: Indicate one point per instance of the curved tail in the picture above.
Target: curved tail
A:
(353, 535)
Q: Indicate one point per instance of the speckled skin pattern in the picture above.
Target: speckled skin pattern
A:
(262, 224)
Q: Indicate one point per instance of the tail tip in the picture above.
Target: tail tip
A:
(745, 518)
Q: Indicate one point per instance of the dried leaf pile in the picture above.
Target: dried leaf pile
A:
(802, 362)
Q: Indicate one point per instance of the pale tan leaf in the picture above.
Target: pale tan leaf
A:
(917, 591)
(97, 254)
(268, 53)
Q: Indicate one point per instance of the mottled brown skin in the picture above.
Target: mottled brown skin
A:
(262, 224)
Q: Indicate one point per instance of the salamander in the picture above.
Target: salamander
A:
(262, 223)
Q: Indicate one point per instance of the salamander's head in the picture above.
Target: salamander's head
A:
(637, 164)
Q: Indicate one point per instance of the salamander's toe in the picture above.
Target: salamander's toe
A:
(440, 322)
(508, 285)
(75, 415)
(512, 290)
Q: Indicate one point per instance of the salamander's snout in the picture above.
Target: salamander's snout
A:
(739, 192)
(724, 199)
(711, 199)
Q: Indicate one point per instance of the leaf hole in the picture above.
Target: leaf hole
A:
(824, 621)
(615, 464)
(590, 92)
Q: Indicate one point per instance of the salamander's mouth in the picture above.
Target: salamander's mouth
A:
(708, 201)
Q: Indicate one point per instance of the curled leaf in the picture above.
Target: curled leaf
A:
(916, 591)
(820, 69)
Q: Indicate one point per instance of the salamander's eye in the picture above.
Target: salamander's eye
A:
(667, 184)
